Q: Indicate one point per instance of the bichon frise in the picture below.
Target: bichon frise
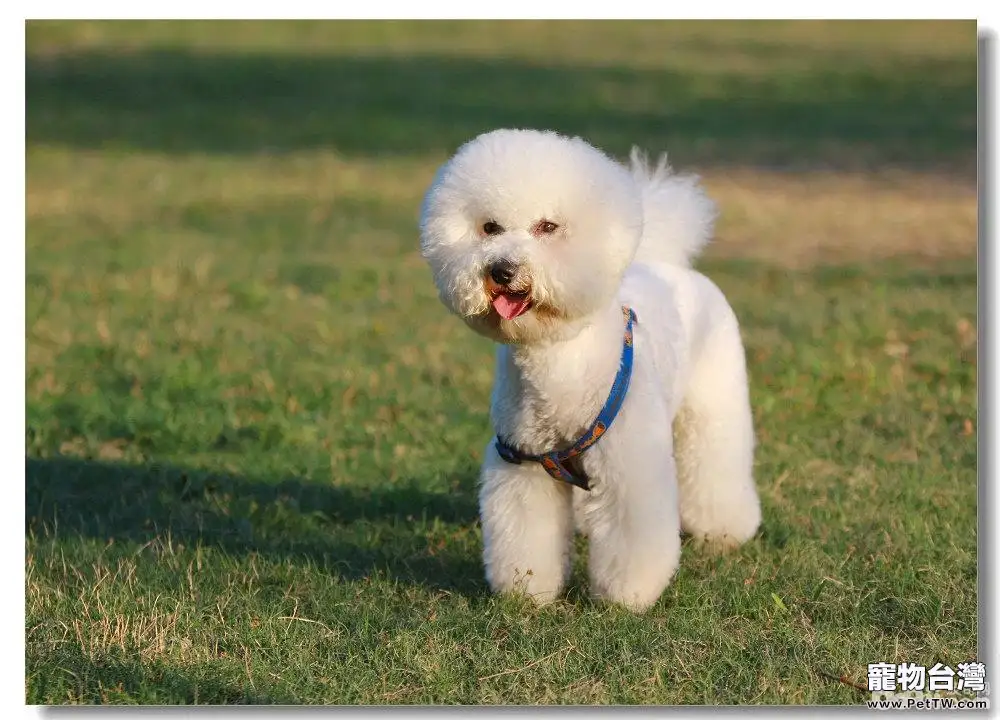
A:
(620, 402)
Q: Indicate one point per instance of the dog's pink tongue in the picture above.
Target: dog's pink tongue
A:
(510, 306)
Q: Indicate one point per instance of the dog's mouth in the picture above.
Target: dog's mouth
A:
(509, 300)
(510, 305)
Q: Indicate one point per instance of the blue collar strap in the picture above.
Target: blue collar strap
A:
(554, 462)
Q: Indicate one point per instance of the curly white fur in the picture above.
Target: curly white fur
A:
(680, 454)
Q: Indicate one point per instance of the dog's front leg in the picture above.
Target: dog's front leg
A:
(527, 520)
(634, 524)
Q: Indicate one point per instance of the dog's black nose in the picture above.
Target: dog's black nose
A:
(502, 272)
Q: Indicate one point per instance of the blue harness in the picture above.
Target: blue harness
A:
(555, 461)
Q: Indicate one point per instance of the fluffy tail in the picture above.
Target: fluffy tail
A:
(678, 217)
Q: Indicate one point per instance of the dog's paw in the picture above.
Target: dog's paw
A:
(533, 586)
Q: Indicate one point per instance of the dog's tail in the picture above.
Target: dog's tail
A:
(678, 217)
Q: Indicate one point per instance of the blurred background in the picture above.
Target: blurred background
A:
(232, 338)
(723, 98)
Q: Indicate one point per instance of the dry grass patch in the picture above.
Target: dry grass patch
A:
(802, 220)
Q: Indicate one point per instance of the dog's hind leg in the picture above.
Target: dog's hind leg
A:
(714, 441)
(527, 520)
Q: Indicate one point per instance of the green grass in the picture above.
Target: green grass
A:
(253, 432)
(856, 95)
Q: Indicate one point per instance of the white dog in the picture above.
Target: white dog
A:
(539, 241)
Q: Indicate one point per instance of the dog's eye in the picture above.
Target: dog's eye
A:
(544, 227)
(492, 228)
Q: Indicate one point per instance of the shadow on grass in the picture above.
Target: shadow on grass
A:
(833, 112)
(400, 529)
(117, 680)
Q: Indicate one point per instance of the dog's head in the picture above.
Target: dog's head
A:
(529, 232)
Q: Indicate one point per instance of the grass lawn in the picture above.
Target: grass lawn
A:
(253, 432)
